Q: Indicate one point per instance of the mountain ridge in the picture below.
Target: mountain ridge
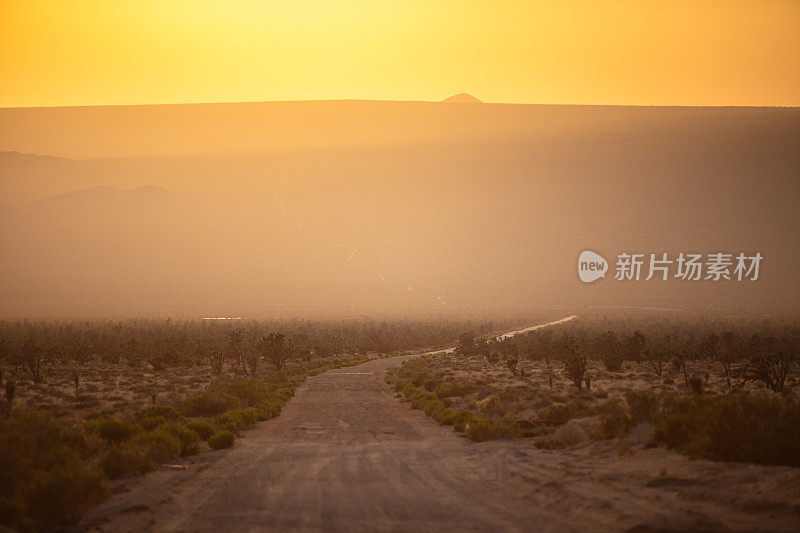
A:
(462, 98)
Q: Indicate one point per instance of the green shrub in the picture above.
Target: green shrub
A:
(167, 412)
(449, 389)
(186, 437)
(159, 446)
(203, 428)
(152, 422)
(461, 418)
(236, 419)
(643, 405)
(209, 403)
(113, 430)
(269, 409)
(223, 439)
(33, 444)
(124, 461)
(64, 493)
(483, 430)
(500, 402)
(762, 428)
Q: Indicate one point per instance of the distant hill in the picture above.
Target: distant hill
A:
(340, 207)
(463, 98)
(193, 129)
(102, 196)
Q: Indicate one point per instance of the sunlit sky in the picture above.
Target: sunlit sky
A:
(694, 52)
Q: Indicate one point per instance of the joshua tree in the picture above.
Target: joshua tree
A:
(634, 347)
(467, 345)
(235, 344)
(655, 356)
(275, 348)
(511, 363)
(76, 380)
(771, 363)
(32, 361)
(726, 354)
(575, 369)
(10, 392)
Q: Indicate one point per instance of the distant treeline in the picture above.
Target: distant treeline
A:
(761, 350)
(32, 345)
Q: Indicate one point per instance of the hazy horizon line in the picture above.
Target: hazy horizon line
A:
(379, 100)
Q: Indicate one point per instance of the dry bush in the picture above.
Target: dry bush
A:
(614, 420)
(221, 440)
(644, 406)
(203, 428)
(483, 430)
(124, 461)
(44, 474)
(558, 414)
(759, 428)
(570, 434)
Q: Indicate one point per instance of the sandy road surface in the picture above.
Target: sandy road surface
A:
(346, 455)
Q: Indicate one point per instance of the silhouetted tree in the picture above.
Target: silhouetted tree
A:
(275, 349)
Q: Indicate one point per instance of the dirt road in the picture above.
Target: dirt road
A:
(346, 455)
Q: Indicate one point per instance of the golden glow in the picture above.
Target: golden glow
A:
(724, 52)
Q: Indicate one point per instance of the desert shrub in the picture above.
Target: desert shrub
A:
(695, 384)
(120, 461)
(448, 389)
(431, 383)
(483, 430)
(186, 437)
(499, 403)
(461, 418)
(570, 434)
(236, 419)
(762, 429)
(113, 430)
(548, 442)
(167, 412)
(561, 413)
(269, 409)
(209, 403)
(40, 460)
(435, 408)
(222, 439)
(643, 405)
(203, 428)
(614, 421)
(613, 362)
(152, 422)
(64, 493)
(159, 446)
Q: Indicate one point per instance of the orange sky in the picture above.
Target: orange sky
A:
(697, 52)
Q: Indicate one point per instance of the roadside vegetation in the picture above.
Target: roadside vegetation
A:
(52, 471)
(724, 391)
(62, 440)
